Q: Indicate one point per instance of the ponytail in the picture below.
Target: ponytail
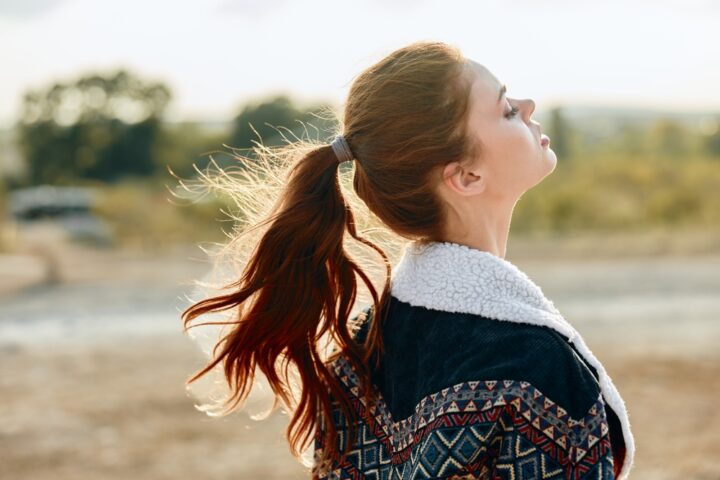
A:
(405, 117)
(299, 284)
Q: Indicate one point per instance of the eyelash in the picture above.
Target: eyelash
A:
(513, 111)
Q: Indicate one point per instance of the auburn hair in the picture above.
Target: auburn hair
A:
(405, 117)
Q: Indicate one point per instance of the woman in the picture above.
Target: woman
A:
(461, 367)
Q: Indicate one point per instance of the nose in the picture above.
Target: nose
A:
(530, 106)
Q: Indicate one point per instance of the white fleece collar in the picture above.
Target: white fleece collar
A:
(456, 278)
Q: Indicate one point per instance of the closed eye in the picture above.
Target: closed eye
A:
(513, 111)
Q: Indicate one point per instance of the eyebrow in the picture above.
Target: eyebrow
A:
(503, 89)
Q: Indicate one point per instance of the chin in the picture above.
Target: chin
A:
(552, 159)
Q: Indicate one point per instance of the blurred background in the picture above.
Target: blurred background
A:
(101, 102)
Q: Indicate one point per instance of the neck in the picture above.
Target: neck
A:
(481, 229)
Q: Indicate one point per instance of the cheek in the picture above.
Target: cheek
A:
(520, 154)
(524, 137)
(519, 142)
(524, 151)
(511, 147)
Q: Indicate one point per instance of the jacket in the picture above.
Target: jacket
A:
(481, 377)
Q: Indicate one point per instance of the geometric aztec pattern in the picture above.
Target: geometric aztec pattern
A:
(490, 429)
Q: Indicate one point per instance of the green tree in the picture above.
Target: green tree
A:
(669, 138)
(559, 133)
(97, 127)
(712, 140)
(185, 144)
(279, 113)
(631, 139)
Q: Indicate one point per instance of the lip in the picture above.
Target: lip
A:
(544, 140)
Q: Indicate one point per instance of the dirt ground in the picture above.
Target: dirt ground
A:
(119, 412)
(115, 406)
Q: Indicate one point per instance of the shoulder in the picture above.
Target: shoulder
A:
(428, 350)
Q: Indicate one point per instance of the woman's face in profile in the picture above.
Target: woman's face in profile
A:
(512, 157)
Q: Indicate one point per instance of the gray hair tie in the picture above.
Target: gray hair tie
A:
(341, 149)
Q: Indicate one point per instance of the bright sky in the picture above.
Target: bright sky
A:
(217, 54)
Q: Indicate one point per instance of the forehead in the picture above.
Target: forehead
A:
(484, 90)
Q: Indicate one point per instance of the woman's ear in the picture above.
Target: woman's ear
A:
(462, 180)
